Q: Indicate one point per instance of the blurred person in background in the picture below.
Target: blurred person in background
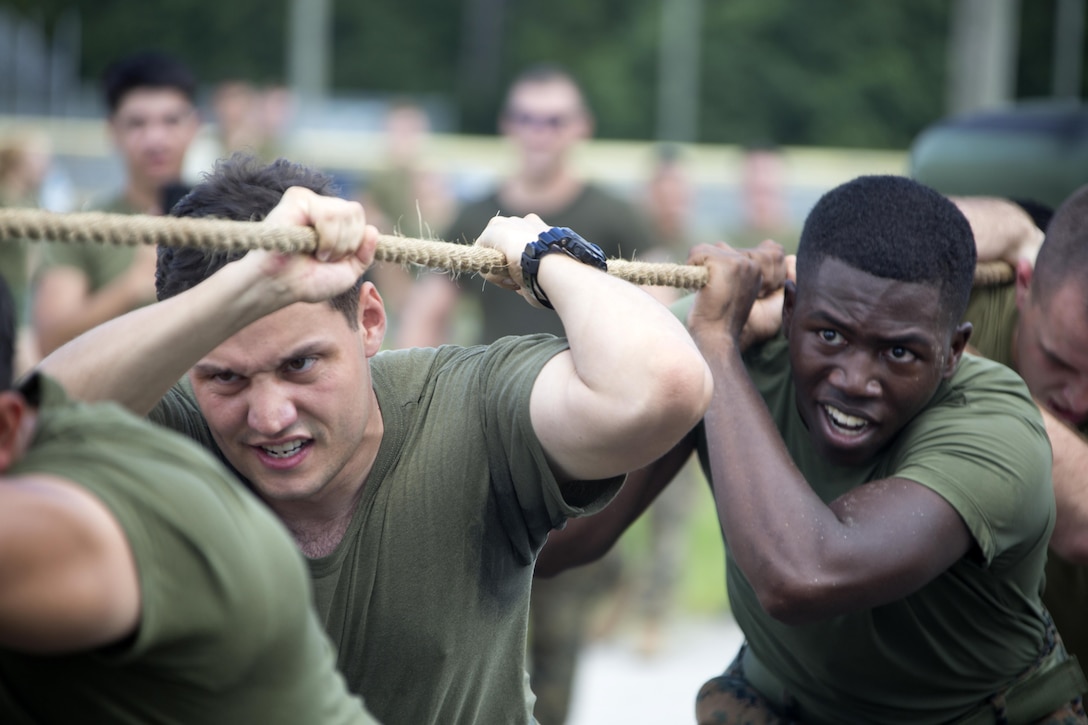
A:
(668, 199)
(250, 119)
(545, 118)
(405, 197)
(237, 107)
(762, 190)
(650, 574)
(25, 158)
(152, 121)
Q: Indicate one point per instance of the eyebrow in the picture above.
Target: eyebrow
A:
(907, 339)
(306, 350)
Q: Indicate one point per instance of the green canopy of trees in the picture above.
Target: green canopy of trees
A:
(849, 73)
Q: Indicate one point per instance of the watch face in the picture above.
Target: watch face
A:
(585, 252)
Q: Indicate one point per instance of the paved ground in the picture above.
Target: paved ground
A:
(616, 685)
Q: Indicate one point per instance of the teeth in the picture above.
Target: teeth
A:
(284, 450)
(843, 420)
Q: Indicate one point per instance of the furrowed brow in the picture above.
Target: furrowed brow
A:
(307, 350)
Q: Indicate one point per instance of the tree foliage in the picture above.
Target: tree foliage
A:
(851, 73)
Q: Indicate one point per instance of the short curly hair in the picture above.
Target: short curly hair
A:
(242, 188)
(895, 228)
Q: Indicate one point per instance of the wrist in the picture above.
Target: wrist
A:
(557, 241)
(716, 341)
(249, 286)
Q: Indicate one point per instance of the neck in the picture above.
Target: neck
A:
(143, 197)
(318, 533)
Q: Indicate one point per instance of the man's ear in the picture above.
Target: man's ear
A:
(789, 298)
(12, 411)
(1024, 272)
(960, 336)
(372, 319)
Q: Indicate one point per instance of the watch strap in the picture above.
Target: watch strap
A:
(557, 239)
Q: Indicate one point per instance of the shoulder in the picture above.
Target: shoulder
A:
(984, 405)
(986, 384)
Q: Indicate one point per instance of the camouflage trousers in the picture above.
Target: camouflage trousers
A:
(730, 700)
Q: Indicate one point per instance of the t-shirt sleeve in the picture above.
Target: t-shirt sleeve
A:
(178, 411)
(56, 254)
(988, 455)
(517, 456)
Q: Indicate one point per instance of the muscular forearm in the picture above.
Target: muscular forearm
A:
(775, 526)
(1002, 229)
(135, 358)
(1070, 476)
(638, 381)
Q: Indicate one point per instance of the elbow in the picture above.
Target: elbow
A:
(1072, 546)
(683, 390)
(787, 607)
(793, 599)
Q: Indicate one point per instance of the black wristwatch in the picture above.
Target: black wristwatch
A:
(557, 239)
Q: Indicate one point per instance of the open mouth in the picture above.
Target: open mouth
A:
(844, 423)
(284, 451)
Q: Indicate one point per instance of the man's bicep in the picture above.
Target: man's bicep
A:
(577, 440)
(898, 536)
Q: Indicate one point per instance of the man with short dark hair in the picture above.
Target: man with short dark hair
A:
(152, 121)
(139, 582)
(885, 500)
(419, 483)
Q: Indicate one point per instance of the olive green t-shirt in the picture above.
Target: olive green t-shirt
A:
(994, 314)
(227, 630)
(427, 595)
(102, 263)
(937, 653)
(597, 216)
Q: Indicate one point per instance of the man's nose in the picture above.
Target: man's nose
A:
(855, 376)
(271, 410)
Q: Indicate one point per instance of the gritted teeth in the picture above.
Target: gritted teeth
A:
(844, 420)
(283, 450)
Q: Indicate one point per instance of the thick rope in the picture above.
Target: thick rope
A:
(132, 229)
